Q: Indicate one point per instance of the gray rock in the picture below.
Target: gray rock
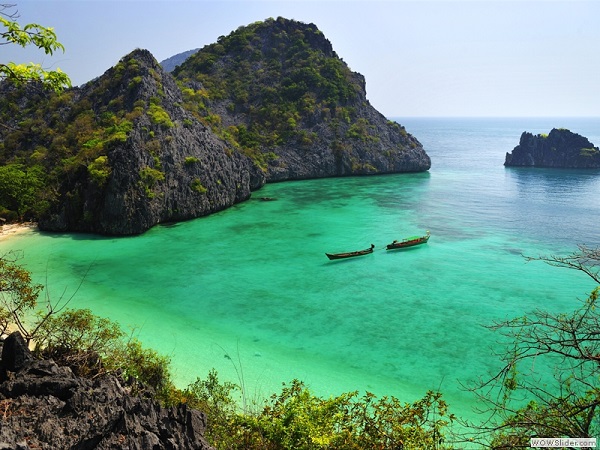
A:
(560, 149)
(47, 407)
(170, 63)
(15, 353)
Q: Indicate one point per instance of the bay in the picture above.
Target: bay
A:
(249, 291)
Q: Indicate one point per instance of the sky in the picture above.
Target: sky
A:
(446, 58)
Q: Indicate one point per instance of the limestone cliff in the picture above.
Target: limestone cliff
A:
(120, 154)
(287, 98)
(561, 148)
(169, 167)
(139, 146)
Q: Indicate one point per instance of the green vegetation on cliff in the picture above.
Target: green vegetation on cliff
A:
(271, 82)
(52, 136)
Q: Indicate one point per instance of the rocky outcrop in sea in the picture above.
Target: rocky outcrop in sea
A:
(561, 148)
(44, 406)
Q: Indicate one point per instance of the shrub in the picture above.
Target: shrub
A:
(159, 116)
(149, 177)
(78, 339)
(191, 160)
(197, 186)
(298, 419)
(99, 170)
(146, 366)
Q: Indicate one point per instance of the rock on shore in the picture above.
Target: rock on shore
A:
(45, 406)
(561, 149)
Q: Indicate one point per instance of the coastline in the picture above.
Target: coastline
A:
(12, 229)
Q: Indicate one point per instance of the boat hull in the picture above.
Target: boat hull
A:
(409, 242)
(333, 256)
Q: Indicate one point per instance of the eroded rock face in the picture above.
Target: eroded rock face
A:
(170, 167)
(561, 149)
(45, 406)
(286, 81)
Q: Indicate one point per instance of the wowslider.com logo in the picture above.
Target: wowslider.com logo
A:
(562, 442)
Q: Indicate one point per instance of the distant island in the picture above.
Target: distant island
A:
(172, 62)
(139, 146)
(561, 149)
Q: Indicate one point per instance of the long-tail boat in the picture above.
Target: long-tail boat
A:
(408, 242)
(350, 254)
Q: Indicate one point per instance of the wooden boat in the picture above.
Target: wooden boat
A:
(350, 254)
(408, 242)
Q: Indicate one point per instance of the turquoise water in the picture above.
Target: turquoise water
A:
(250, 292)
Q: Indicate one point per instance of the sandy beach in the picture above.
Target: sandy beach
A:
(14, 228)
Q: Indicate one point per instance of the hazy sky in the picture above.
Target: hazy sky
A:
(419, 58)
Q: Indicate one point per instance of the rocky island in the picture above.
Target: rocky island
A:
(139, 146)
(560, 149)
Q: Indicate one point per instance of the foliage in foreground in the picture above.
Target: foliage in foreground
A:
(90, 345)
(297, 419)
(32, 34)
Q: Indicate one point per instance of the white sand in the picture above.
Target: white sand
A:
(14, 228)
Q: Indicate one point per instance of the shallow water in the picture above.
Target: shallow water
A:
(250, 292)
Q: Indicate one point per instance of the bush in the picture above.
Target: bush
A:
(298, 419)
(99, 170)
(146, 366)
(191, 160)
(78, 339)
(149, 177)
(159, 116)
(197, 186)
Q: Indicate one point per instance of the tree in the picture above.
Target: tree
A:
(20, 188)
(18, 295)
(41, 37)
(19, 300)
(525, 400)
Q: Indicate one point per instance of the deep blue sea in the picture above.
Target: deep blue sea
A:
(249, 291)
